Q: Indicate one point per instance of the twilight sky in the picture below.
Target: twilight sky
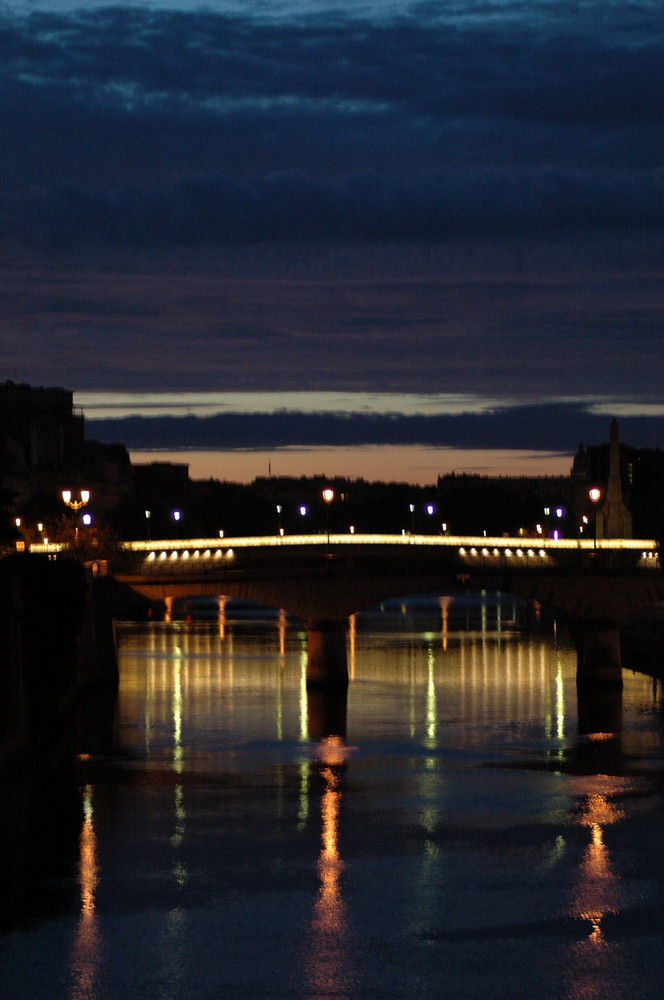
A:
(462, 198)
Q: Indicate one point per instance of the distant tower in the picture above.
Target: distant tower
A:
(613, 518)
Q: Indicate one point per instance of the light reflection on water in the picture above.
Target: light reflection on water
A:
(444, 831)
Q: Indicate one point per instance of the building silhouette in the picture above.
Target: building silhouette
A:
(43, 450)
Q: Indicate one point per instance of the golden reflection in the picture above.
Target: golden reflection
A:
(86, 950)
(221, 620)
(352, 636)
(282, 626)
(560, 698)
(303, 701)
(178, 752)
(444, 603)
(431, 706)
(329, 968)
(598, 891)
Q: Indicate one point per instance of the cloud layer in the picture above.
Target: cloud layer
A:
(461, 197)
(136, 127)
(552, 427)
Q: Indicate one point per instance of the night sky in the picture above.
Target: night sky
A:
(440, 197)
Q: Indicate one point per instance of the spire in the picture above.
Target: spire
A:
(613, 518)
(580, 463)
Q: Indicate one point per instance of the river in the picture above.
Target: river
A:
(458, 828)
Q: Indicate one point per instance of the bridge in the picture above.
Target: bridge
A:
(325, 578)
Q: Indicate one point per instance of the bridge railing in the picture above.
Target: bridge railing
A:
(214, 554)
(219, 554)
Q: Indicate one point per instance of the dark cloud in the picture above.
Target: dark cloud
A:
(511, 335)
(140, 128)
(550, 427)
(466, 197)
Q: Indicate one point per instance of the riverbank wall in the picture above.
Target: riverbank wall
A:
(58, 668)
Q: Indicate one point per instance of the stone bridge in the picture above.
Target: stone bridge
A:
(324, 579)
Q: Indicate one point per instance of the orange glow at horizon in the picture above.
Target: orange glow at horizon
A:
(414, 464)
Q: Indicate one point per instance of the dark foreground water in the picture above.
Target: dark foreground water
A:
(453, 834)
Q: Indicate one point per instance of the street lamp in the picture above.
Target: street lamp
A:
(279, 526)
(594, 495)
(84, 496)
(328, 497)
(68, 499)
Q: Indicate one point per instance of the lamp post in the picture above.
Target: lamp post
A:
(594, 495)
(67, 498)
(176, 518)
(148, 515)
(279, 526)
(75, 505)
(328, 497)
(411, 508)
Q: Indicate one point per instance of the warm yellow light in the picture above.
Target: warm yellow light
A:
(75, 504)
(594, 494)
(328, 495)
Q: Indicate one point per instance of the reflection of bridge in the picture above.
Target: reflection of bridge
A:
(325, 579)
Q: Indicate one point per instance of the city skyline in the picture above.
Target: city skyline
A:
(458, 201)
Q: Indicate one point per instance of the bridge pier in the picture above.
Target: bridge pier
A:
(327, 708)
(599, 660)
(327, 662)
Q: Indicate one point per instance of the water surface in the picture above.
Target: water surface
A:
(449, 832)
